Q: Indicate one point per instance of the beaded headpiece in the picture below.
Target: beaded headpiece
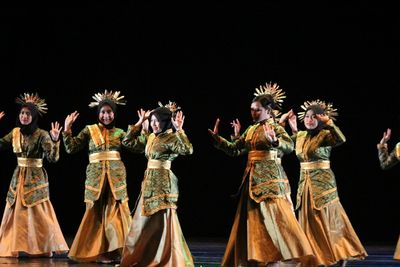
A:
(34, 99)
(328, 109)
(108, 95)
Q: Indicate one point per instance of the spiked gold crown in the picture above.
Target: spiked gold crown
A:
(328, 108)
(108, 95)
(172, 106)
(271, 89)
(34, 99)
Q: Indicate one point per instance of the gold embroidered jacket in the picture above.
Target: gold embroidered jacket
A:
(101, 139)
(33, 181)
(160, 185)
(387, 160)
(266, 176)
(313, 149)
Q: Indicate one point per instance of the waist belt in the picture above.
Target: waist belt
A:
(321, 164)
(105, 155)
(29, 162)
(264, 155)
(158, 164)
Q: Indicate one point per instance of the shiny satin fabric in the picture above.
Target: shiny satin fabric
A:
(103, 229)
(397, 251)
(156, 240)
(265, 232)
(329, 231)
(32, 230)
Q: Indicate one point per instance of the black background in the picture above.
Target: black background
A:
(209, 58)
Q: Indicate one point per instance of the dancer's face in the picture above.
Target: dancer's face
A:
(25, 116)
(155, 124)
(310, 120)
(258, 112)
(106, 115)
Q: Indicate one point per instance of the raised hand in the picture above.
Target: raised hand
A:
(55, 131)
(322, 117)
(178, 121)
(69, 120)
(270, 133)
(143, 116)
(216, 126)
(236, 127)
(386, 136)
(286, 116)
(2, 114)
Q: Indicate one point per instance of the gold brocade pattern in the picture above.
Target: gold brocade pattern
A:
(156, 214)
(318, 149)
(110, 167)
(29, 222)
(266, 176)
(321, 214)
(30, 174)
(265, 228)
(160, 185)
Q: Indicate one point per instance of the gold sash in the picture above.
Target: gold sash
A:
(16, 140)
(321, 164)
(105, 155)
(96, 135)
(158, 164)
(255, 155)
(29, 162)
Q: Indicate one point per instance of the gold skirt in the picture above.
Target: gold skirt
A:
(265, 232)
(103, 229)
(329, 231)
(397, 252)
(32, 230)
(156, 240)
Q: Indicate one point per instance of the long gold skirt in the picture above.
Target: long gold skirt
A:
(397, 252)
(101, 234)
(329, 231)
(32, 230)
(265, 232)
(156, 240)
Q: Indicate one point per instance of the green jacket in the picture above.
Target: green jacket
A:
(34, 180)
(266, 177)
(98, 173)
(160, 185)
(317, 148)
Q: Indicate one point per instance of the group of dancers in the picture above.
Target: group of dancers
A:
(265, 230)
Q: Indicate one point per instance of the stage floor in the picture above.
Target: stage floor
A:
(208, 253)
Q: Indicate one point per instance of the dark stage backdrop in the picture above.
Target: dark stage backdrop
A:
(209, 59)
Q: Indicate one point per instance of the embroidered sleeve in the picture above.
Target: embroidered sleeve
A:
(50, 148)
(335, 136)
(233, 148)
(285, 143)
(387, 160)
(182, 144)
(135, 139)
(74, 144)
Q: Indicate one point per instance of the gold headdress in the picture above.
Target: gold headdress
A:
(273, 90)
(328, 108)
(172, 106)
(34, 99)
(108, 95)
